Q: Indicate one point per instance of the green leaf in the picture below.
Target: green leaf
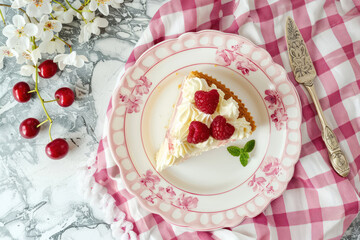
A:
(249, 146)
(244, 158)
(233, 150)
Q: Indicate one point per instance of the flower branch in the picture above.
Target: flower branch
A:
(60, 5)
(76, 10)
(67, 44)
(35, 35)
(2, 17)
(9, 6)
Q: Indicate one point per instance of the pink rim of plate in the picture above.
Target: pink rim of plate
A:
(253, 207)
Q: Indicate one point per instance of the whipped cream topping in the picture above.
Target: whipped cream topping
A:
(179, 149)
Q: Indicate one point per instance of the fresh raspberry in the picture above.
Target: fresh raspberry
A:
(220, 129)
(207, 101)
(198, 132)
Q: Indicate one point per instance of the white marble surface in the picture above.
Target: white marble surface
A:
(39, 197)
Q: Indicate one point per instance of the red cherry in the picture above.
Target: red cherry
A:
(47, 69)
(28, 128)
(65, 96)
(21, 92)
(57, 149)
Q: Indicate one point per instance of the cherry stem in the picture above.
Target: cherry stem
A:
(42, 123)
(31, 91)
(51, 100)
(7, 5)
(2, 17)
(69, 46)
(42, 101)
(50, 131)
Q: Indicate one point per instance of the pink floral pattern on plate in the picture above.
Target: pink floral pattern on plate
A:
(132, 101)
(142, 85)
(167, 194)
(149, 180)
(271, 169)
(257, 183)
(227, 56)
(279, 116)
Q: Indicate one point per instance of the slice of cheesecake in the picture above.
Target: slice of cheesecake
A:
(207, 115)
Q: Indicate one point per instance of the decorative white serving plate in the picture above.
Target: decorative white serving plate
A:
(212, 190)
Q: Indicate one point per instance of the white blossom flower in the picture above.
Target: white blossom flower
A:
(55, 45)
(86, 13)
(35, 55)
(92, 27)
(102, 5)
(29, 56)
(6, 52)
(116, 3)
(37, 8)
(19, 3)
(28, 70)
(19, 33)
(34, 8)
(23, 56)
(70, 59)
(47, 28)
(63, 15)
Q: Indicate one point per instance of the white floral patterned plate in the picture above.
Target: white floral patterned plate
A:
(212, 190)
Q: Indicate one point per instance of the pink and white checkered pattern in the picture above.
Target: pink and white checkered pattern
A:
(318, 204)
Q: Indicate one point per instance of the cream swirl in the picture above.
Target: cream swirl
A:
(163, 157)
(191, 86)
(242, 128)
(184, 115)
(181, 148)
(229, 108)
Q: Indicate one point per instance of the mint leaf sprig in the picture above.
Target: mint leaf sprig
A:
(242, 153)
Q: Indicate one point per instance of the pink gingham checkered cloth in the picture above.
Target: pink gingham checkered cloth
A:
(317, 204)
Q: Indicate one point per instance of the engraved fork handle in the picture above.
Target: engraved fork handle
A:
(337, 157)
